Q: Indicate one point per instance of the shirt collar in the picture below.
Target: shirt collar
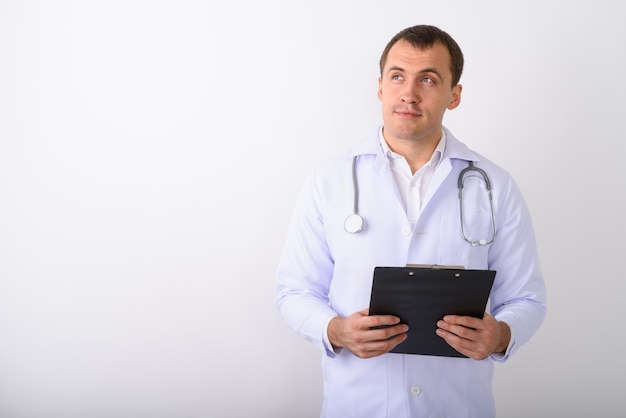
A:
(435, 159)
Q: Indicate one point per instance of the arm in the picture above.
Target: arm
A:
(305, 270)
(303, 281)
(518, 296)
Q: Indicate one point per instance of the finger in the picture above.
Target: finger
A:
(461, 330)
(389, 332)
(469, 343)
(367, 349)
(465, 321)
(453, 340)
(462, 345)
(381, 320)
(384, 346)
(457, 334)
(376, 335)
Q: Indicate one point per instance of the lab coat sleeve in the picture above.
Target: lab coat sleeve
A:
(305, 271)
(518, 296)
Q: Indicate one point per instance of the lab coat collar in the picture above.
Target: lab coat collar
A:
(455, 149)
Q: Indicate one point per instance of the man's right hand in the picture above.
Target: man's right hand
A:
(355, 333)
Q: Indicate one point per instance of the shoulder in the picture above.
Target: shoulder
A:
(342, 163)
(457, 150)
(491, 167)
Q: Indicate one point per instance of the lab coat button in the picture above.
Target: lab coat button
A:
(406, 231)
(416, 390)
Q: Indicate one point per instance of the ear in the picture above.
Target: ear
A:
(380, 88)
(455, 100)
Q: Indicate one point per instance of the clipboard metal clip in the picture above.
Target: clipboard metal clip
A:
(435, 266)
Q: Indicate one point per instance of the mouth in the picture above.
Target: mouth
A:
(407, 113)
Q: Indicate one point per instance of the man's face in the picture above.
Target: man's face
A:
(415, 90)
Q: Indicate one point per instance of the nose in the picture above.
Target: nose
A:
(410, 94)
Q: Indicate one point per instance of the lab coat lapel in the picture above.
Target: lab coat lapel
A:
(454, 153)
(442, 172)
(381, 163)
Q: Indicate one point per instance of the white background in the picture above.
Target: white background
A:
(151, 153)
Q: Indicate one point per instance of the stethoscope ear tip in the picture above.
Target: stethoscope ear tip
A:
(353, 223)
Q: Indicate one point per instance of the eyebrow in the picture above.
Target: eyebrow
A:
(424, 71)
(395, 68)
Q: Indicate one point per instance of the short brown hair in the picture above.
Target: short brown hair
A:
(423, 37)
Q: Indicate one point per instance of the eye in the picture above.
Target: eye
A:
(396, 77)
(428, 80)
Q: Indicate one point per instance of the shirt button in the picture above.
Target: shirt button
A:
(416, 390)
(406, 231)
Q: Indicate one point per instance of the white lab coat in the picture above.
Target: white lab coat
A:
(325, 271)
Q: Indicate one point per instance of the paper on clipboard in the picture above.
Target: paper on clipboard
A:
(420, 296)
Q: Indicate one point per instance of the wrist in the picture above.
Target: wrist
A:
(333, 334)
(505, 337)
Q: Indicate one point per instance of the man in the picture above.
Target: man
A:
(407, 178)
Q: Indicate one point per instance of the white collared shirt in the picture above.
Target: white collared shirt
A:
(412, 187)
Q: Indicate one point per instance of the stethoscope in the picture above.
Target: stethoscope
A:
(354, 222)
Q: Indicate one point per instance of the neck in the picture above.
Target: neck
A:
(417, 152)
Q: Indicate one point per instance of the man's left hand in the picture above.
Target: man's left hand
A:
(474, 337)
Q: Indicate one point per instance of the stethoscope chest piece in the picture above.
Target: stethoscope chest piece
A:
(353, 223)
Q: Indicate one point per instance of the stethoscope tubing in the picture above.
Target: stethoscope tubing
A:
(472, 167)
(354, 222)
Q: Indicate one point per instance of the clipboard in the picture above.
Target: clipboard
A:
(421, 296)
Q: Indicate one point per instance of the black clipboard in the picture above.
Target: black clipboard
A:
(422, 296)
